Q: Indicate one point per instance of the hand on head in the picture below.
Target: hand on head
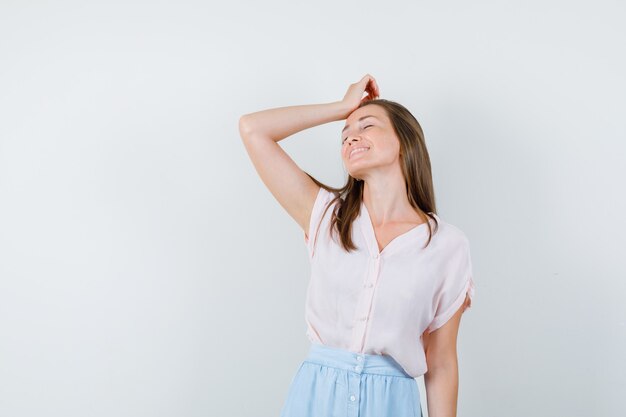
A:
(354, 95)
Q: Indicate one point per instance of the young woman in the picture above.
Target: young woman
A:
(389, 278)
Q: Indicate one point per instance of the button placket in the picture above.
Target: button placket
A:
(365, 315)
(354, 385)
(364, 306)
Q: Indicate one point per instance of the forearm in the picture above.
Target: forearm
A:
(442, 386)
(281, 122)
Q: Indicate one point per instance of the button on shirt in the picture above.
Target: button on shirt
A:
(381, 302)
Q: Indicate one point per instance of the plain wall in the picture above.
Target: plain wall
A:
(145, 270)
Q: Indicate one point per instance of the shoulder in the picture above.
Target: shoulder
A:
(451, 236)
(449, 241)
(322, 207)
(326, 196)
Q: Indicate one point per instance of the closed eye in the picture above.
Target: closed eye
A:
(365, 127)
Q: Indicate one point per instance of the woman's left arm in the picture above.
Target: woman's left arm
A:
(442, 378)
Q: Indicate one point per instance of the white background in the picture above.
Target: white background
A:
(145, 270)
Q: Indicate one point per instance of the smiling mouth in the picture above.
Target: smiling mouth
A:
(358, 150)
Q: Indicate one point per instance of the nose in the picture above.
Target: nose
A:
(352, 141)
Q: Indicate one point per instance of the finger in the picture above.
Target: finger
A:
(372, 89)
(370, 85)
(374, 85)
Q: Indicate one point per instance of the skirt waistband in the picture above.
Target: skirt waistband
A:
(361, 363)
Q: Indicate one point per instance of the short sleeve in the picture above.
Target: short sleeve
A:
(310, 237)
(458, 283)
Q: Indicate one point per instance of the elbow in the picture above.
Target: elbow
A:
(436, 367)
(244, 127)
(250, 128)
(442, 358)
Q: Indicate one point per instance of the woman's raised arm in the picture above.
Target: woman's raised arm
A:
(261, 131)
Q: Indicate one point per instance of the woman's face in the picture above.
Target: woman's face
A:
(368, 143)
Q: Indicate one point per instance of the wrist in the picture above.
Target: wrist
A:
(340, 110)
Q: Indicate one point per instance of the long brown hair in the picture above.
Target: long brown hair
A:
(415, 164)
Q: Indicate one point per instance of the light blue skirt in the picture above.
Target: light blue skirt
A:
(333, 382)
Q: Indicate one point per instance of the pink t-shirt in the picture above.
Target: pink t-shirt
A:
(374, 302)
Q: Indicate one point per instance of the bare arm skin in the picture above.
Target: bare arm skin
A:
(442, 378)
(261, 131)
